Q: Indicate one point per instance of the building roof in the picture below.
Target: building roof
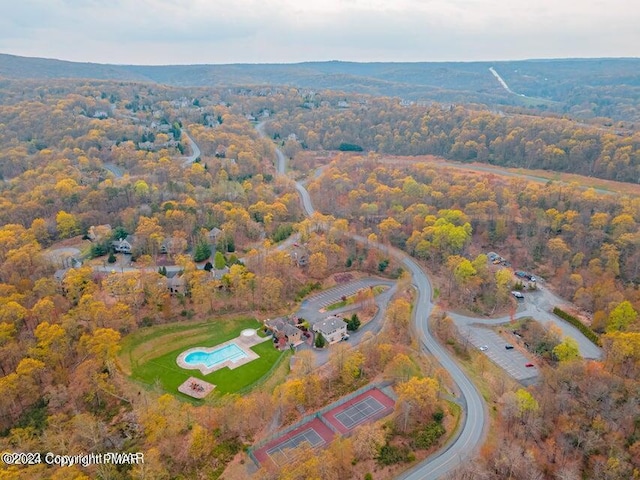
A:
(130, 239)
(277, 323)
(290, 330)
(329, 325)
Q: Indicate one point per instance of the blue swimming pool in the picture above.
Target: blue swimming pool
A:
(220, 355)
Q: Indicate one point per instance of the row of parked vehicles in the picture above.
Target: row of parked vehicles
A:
(525, 275)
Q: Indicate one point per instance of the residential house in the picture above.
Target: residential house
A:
(124, 245)
(217, 274)
(98, 232)
(176, 284)
(214, 234)
(333, 329)
(283, 328)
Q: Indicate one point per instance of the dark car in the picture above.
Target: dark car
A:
(508, 346)
(528, 365)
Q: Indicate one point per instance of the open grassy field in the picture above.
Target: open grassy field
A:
(541, 176)
(149, 355)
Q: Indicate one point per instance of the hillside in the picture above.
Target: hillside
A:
(584, 88)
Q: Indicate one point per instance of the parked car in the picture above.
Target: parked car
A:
(508, 346)
(529, 365)
(517, 294)
(483, 348)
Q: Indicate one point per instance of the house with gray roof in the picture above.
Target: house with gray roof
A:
(333, 329)
(282, 327)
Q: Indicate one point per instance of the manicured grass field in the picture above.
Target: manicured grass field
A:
(149, 355)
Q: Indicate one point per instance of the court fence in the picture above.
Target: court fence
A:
(318, 414)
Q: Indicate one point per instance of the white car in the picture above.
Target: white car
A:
(483, 348)
(517, 294)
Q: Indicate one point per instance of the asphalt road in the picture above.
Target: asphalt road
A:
(469, 437)
(194, 149)
(117, 171)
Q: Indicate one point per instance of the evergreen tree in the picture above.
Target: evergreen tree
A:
(219, 261)
(202, 251)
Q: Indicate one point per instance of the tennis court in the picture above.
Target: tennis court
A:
(359, 412)
(283, 449)
(281, 454)
(370, 405)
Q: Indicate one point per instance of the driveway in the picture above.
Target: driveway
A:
(310, 310)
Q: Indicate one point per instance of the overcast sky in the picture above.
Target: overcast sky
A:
(266, 31)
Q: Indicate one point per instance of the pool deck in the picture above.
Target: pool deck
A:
(243, 341)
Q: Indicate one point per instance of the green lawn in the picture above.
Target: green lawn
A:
(149, 355)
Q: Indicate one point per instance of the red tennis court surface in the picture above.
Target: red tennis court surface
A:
(368, 406)
(314, 433)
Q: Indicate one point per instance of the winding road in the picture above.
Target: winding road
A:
(194, 149)
(471, 432)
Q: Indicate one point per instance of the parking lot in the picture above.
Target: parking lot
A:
(512, 361)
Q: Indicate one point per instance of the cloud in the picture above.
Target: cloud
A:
(206, 31)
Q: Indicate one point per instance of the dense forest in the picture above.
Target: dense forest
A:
(88, 164)
(586, 89)
(468, 135)
(579, 241)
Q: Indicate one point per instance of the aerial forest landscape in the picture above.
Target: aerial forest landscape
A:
(373, 268)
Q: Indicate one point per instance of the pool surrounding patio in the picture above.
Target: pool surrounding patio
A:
(231, 354)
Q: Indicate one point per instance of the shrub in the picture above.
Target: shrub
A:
(428, 436)
(307, 289)
(390, 455)
(98, 250)
(283, 231)
(590, 334)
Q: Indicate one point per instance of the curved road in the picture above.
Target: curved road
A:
(474, 414)
(194, 149)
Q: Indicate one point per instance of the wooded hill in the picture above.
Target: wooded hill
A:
(583, 88)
